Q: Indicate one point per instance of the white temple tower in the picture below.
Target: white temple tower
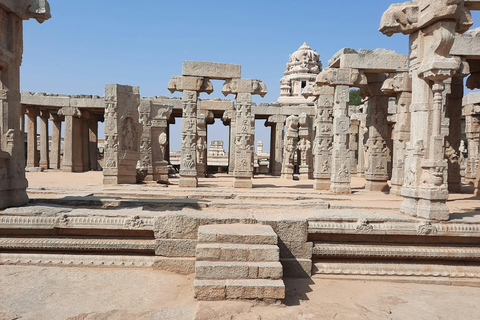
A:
(303, 67)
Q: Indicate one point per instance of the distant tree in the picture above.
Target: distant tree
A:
(355, 99)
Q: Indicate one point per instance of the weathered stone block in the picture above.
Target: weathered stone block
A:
(237, 270)
(297, 268)
(212, 70)
(177, 265)
(209, 289)
(176, 226)
(236, 252)
(255, 289)
(175, 247)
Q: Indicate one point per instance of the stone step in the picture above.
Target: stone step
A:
(236, 252)
(239, 289)
(237, 233)
(238, 270)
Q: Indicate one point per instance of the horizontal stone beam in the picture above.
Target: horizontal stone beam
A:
(213, 105)
(265, 110)
(60, 101)
(370, 61)
(211, 70)
(472, 98)
(472, 4)
(467, 44)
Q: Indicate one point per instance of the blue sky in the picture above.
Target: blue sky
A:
(90, 43)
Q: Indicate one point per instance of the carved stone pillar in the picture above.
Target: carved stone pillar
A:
(93, 141)
(472, 132)
(243, 89)
(201, 146)
(44, 136)
(191, 87)
(32, 149)
(56, 141)
(376, 148)
(322, 144)
(353, 145)
(159, 136)
(362, 138)
(432, 27)
(85, 140)
(452, 140)
(229, 119)
(305, 146)
(146, 154)
(290, 147)
(72, 146)
(12, 153)
(277, 123)
(400, 85)
(122, 134)
(341, 79)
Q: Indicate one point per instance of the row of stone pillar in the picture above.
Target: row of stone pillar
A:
(80, 147)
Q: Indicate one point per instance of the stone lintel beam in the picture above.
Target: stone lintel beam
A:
(28, 9)
(472, 4)
(59, 101)
(370, 61)
(262, 111)
(211, 70)
(341, 76)
(315, 90)
(467, 44)
(214, 105)
(189, 83)
(409, 17)
(251, 86)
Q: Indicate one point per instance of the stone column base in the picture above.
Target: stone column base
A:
(396, 190)
(340, 187)
(13, 197)
(321, 184)
(242, 183)
(434, 208)
(188, 182)
(381, 186)
(115, 179)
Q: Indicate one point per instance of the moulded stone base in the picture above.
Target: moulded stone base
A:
(162, 178)
(340, 187)
(43, 164)
(188, 182)
(396, 190)
(13, 198)
(381, 186)
(242, 183)
(424, 208)
(321, 184)
(70, 168)
(130, 179)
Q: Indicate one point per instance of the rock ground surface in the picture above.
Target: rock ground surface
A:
(31, 292)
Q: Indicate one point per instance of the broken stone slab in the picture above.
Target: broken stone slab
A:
(211, 70)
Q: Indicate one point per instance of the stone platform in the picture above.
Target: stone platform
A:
(156, 226)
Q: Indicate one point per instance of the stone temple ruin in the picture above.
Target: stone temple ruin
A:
(415, 140)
